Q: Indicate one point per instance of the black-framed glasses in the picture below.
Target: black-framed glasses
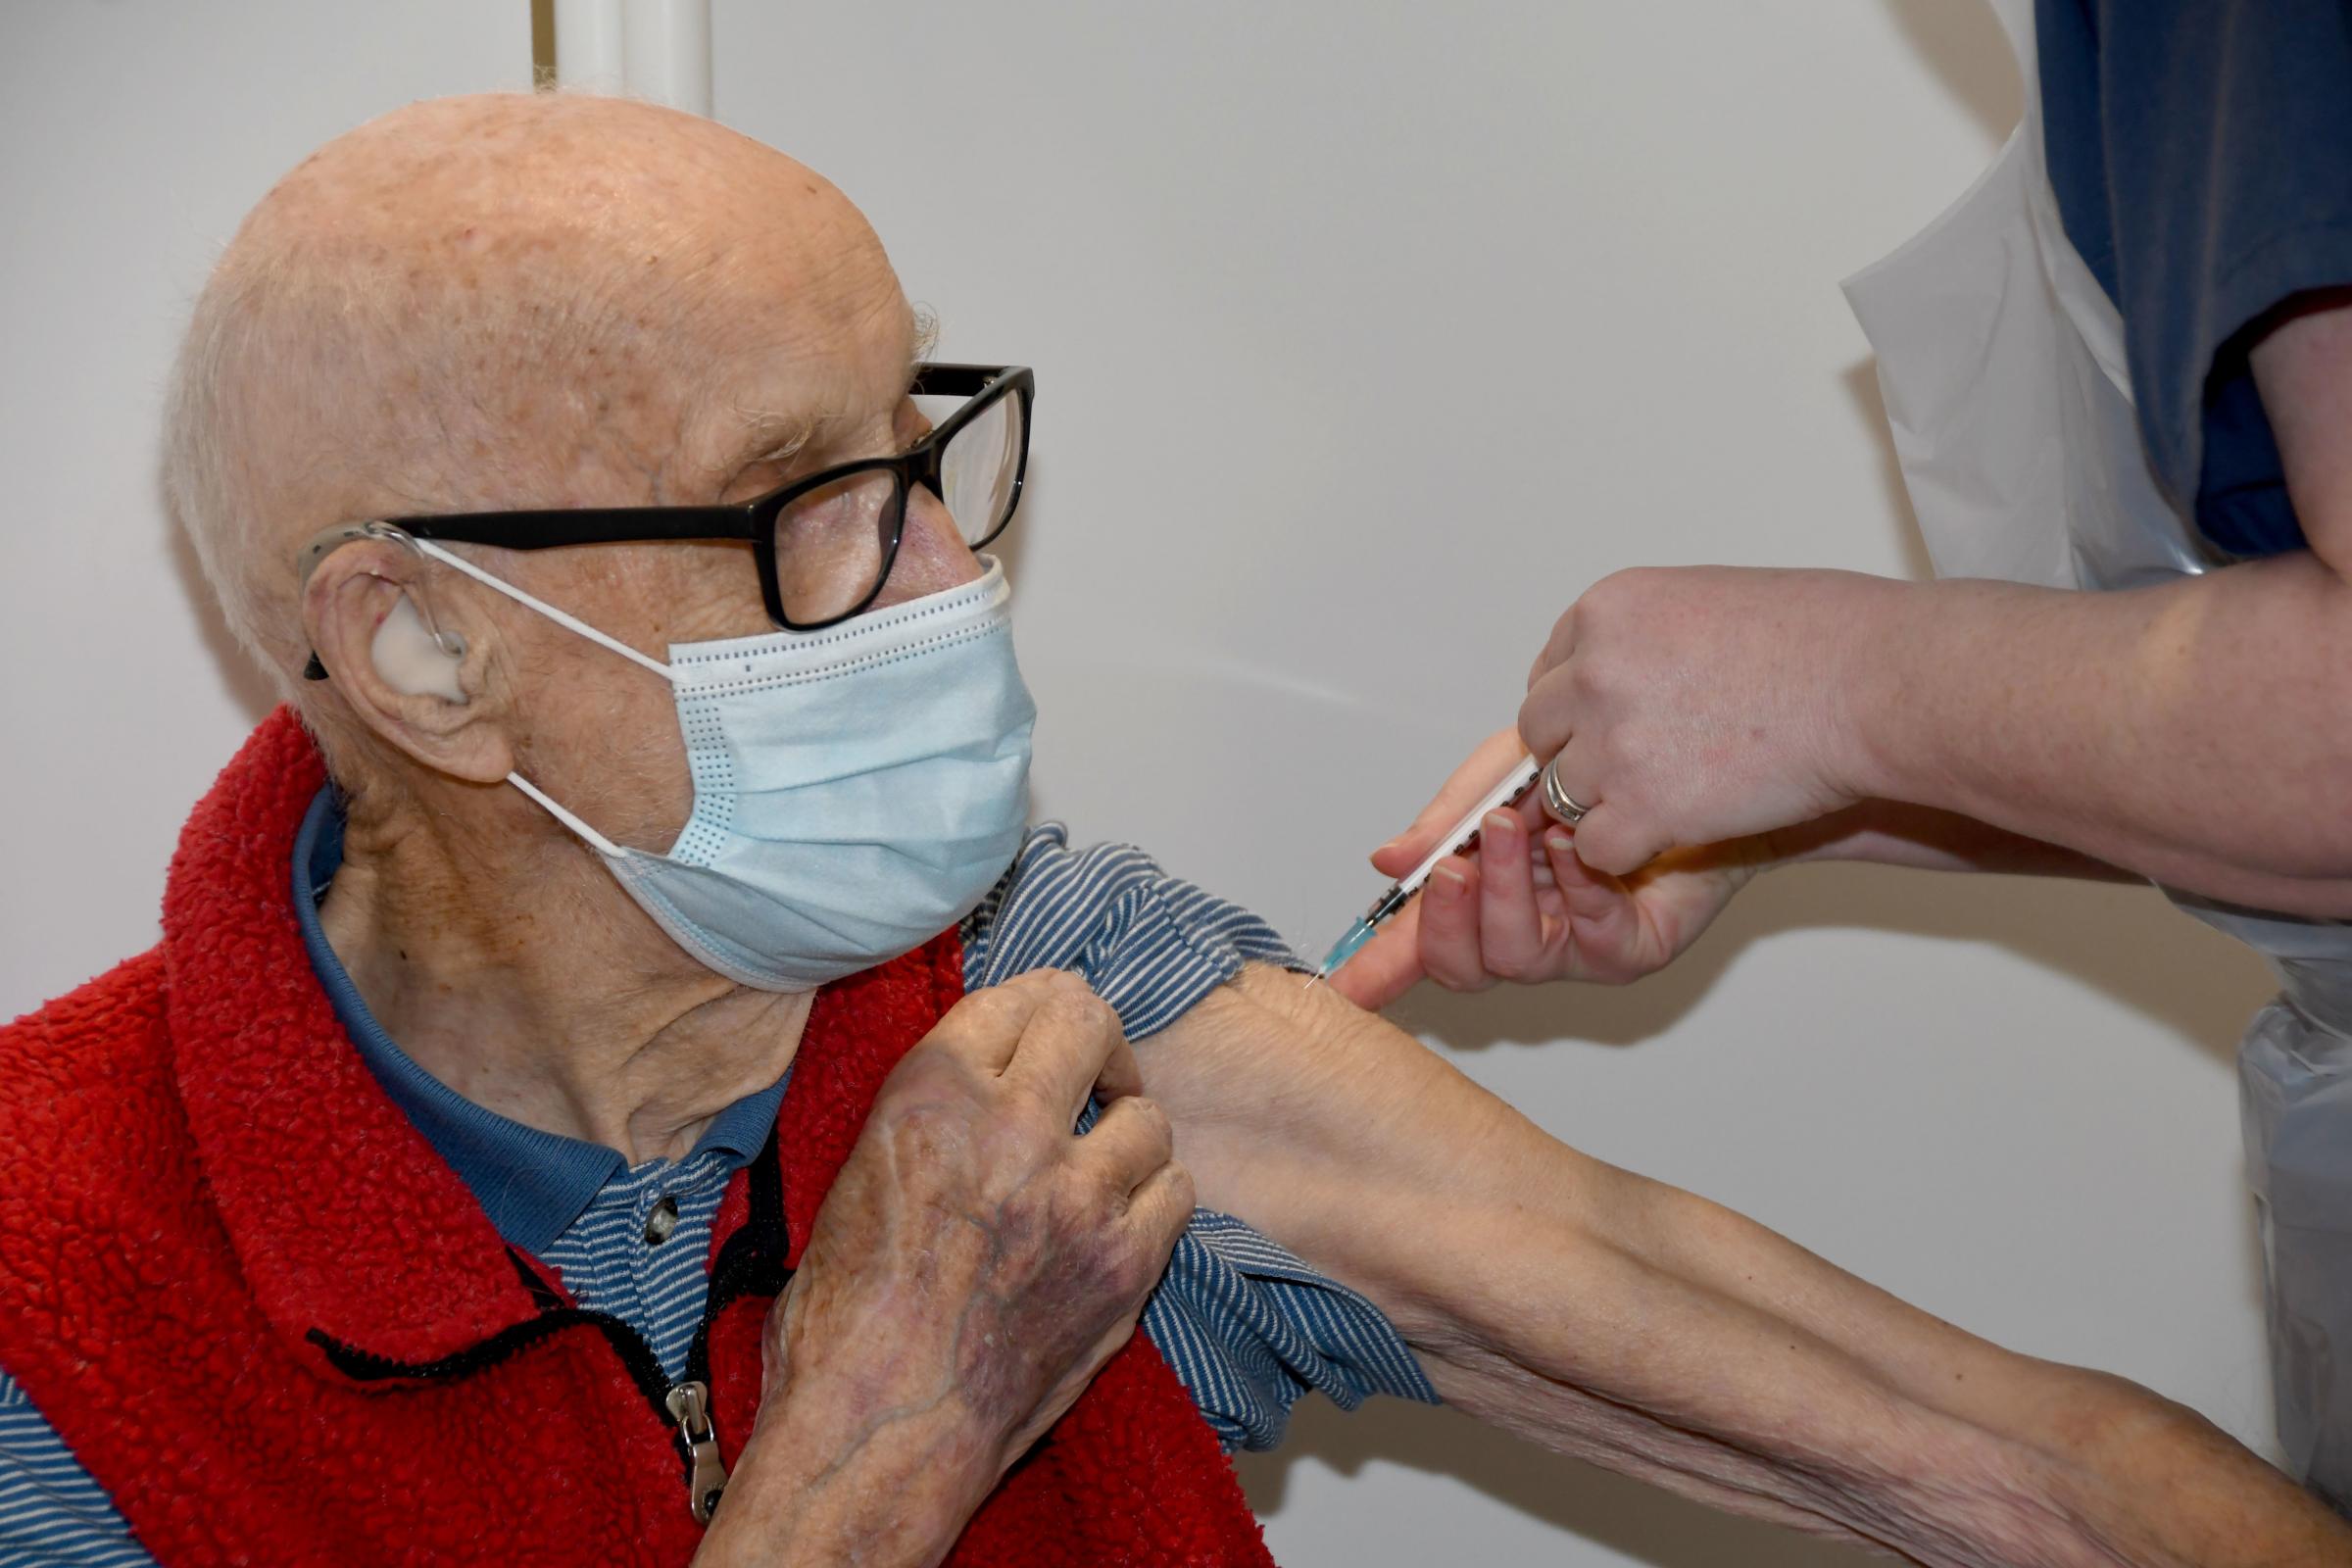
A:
(824, 544)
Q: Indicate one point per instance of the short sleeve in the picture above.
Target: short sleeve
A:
(2200, 150)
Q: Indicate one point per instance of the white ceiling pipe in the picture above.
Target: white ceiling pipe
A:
(588, 50)
(665, 52)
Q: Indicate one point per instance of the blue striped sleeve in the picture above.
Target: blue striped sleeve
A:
(1249, 1328)
(1252, 1330)
(52, 1512)
(1150, 944)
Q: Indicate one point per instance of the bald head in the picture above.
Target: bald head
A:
(513, 300)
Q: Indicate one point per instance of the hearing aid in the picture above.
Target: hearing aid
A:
(411, 651)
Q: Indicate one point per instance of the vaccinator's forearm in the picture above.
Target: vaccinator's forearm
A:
(1923, 838)
(2195, 734)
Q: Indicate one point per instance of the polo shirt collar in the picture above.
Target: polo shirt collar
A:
(532, 1184)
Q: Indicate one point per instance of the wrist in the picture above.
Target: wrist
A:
(2155, 1482)
(832, 1475)
(1863, 686)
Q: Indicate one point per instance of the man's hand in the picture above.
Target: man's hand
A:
(1703, 704)
(973, 1268)
(1526, 908)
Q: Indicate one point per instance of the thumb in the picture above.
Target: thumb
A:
(1384, 967)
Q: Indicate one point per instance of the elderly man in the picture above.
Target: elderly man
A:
(549, 1130)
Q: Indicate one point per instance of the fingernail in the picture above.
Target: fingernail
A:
(1559, 843)
(1499, 824)
(1450, 881)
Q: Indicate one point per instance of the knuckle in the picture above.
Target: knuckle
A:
(1072, 1003)
(1131, 1268)
(1088, 1209)
(978, 1015)
(1182, 1193)
(927, 1073)
(1027, 993)
(1100, 1017)
(1535, 710)
(1149, 1114)
(1031, 1126)
(1508, 966)
(1000, 998)
(1138, 1269)
(1614, 599)
(1613, 852)
(1063, 985)
(929, 1140)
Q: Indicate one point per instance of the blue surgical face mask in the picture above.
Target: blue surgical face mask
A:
(857, 790)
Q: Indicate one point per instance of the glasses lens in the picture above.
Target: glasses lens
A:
(831, 544)
(977, 470)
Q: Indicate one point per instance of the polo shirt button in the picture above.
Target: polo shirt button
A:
(662, 1221)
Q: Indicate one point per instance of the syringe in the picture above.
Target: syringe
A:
(1515, 784)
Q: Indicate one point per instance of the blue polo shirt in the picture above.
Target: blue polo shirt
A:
(2201, 154)
(1248, 1327)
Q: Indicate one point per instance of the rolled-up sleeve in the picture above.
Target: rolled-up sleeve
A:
(1249, 1328)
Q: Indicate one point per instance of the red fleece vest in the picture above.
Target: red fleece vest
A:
(278, 1329)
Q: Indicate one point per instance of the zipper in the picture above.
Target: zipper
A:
(743, 1268)
(689, 1406)
(685, 1404)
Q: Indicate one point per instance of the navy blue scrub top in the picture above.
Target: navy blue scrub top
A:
(2201, 153)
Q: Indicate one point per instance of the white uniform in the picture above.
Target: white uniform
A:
(2001, 361)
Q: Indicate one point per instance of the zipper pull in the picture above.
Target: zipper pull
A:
(690, 1407)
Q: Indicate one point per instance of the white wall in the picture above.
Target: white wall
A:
(1365, 338)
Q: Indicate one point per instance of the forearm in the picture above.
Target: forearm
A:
(1923, 838)
(2192, 733)
(1684, 1345)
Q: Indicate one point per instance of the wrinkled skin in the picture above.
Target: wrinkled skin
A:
(971, 1271)
(539, 301)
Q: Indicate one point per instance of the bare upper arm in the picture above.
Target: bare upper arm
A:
(1351, 1143)
(2303, 368)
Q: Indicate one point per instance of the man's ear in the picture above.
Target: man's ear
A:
(407, 672)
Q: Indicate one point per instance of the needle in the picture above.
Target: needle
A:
(1516, 785)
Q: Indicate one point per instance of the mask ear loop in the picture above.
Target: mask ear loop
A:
(561, 617)
(450, 643)
(565, 618)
